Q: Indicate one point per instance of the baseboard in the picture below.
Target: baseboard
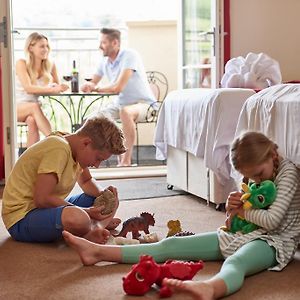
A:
(129, 172)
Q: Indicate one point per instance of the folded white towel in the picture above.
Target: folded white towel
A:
(256, 71)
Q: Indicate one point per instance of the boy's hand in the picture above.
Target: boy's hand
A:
(95, 213)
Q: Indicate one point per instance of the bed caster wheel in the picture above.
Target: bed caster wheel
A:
(170, 187)
(220, 207)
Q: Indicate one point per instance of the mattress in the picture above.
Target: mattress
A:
(202, 122)
(275, 111)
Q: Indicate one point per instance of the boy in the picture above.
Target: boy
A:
(35, 207)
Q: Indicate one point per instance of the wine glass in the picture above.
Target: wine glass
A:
(67, 77)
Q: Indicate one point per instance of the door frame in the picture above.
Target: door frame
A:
(8, 113)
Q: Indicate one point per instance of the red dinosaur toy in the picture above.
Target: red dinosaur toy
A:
(147, 272)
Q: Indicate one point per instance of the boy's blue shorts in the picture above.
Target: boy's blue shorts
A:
(44, 224)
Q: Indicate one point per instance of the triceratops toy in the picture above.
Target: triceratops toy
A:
(256, 196)
(147, 272)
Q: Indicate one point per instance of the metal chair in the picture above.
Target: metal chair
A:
(159, 85)
(22, 131)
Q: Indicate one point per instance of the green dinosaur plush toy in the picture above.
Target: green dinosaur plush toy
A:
(256, 196)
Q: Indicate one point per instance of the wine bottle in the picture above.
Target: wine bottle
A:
(75, 79)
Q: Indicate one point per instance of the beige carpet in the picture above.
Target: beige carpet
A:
(54, 271)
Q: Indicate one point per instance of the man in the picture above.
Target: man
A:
(127, 77)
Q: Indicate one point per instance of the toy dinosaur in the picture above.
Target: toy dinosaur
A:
(147, 272)
(136, 224)
(184, 233)
(174, 227)
(256, 196)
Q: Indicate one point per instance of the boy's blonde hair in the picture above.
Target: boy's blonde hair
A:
(104, 133)
(251, 148)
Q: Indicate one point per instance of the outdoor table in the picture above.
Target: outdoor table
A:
(76, 106)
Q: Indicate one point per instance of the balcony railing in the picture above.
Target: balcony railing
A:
(67, 44)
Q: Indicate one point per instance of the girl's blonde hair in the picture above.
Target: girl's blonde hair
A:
(251, 148)
(46, 67)
(104, 133)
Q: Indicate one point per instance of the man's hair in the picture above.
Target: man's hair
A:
(112, 34)
(104, 133)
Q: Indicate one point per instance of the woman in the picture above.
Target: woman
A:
(35, 75)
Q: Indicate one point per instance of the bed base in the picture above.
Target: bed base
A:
(188, 172)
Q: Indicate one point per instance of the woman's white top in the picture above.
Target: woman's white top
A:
(22, 96)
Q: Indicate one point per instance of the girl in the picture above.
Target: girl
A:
(35, 75)
(270, 247)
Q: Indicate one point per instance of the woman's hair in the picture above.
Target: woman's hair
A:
(251, 148)
(104, 133)
(46, 67)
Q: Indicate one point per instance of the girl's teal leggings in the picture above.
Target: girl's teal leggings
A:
(251, 258)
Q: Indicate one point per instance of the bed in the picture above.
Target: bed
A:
(275, 111)
(194, 130)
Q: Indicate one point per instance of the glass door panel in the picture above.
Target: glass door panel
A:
(200, 43)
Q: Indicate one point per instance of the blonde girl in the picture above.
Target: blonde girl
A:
(35, 75)
(272, 246)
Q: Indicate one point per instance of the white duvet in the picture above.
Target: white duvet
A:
(275, 111)
(202, 122)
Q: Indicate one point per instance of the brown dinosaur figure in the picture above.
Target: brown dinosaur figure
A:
(136, 224)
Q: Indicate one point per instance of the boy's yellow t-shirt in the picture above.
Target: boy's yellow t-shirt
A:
(51, 155)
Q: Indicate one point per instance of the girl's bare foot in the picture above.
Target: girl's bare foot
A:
(98, 235)
(88, 251)
(198, 290)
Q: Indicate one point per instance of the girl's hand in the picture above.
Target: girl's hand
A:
(234, 201)
(229, 215)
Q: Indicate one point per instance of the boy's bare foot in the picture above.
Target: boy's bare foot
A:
(198, 290)
(87, 250)
(113, 224)
(98, 235)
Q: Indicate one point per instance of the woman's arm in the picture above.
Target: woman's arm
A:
(55, 78)
(30, 88)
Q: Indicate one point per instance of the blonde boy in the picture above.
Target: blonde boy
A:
(36, 202)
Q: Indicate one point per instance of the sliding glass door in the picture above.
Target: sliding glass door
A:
(202, 43)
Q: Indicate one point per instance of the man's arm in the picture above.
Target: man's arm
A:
(91, 85)
(119, 85)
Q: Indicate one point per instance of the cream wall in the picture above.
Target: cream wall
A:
(157, 43)
(269, 26)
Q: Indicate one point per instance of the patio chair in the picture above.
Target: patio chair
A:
(159, 85)
(22, 131)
